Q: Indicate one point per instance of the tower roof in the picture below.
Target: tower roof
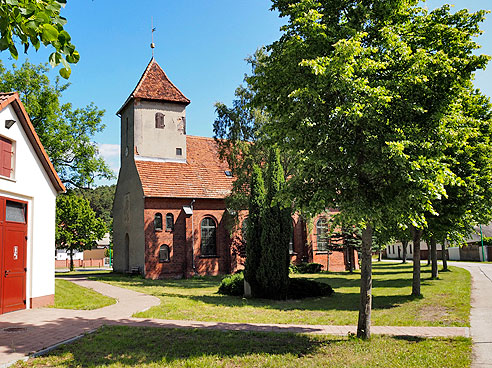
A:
(155, 85)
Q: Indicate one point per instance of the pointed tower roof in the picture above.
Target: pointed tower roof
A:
(155, 85)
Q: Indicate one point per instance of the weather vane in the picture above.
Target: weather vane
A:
(152, 45)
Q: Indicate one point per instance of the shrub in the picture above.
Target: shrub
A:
(304, 288)
(232, 285)
(306, 268)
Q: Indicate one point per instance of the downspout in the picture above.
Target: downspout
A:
(192, 239)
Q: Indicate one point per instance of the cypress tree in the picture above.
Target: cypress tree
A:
(253, 229)
(273, 272)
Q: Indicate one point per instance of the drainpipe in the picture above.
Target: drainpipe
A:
(481, 240)
(192, 239)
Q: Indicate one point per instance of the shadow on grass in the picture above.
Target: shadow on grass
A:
(141, 346)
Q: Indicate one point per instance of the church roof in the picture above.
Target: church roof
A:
(202, 176)
(155, 85)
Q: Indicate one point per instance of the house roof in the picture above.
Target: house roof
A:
(155, 85)
(14, 99)
(202, 176)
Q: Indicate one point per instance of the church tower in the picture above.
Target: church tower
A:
(153, 119)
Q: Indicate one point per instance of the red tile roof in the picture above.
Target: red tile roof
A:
(202, 176)
(14, 99)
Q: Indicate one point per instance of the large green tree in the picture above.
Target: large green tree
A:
(77, 227)
(65, 132)
(33, 23)
(358, 91)
(101, 201)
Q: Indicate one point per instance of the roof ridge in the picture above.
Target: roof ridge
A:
(143, 76)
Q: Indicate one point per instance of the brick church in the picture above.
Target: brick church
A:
(170, 215)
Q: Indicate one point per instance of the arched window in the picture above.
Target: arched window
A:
(158, 221)
(208, 238)
(322, 240)
(244, 230)
(169, 222)
(164, 253)
(159, 120)
(291, 241)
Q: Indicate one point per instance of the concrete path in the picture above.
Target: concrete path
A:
(25, 332)
(481, 312)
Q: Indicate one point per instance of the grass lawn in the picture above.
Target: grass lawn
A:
(71, 296)
(445, 302)
(120, 346)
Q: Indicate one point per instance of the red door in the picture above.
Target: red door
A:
(13, 231)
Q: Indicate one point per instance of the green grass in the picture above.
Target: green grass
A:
(71, 296)
(120, 346)
(445, 302)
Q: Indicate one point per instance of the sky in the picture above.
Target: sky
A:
(201, 45)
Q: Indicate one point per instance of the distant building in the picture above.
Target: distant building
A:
(28, 189)
(170, 215)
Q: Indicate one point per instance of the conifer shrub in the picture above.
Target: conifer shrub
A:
(232, 285)
(305, 267)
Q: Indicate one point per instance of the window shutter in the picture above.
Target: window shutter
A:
(6, 157)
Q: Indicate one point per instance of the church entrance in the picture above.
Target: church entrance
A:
(13, 239)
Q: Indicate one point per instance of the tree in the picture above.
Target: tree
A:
(253, 230)
(33, 23)
(77, 227)
(101, 201)
(66, 133)
(357, 92)
(276, 230)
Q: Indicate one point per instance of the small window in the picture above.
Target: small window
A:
(15, 212)
(228, 173)
(322, 240)
(179, 151)
(5, 157)
(164, 253)
(169, 222)
(159, 120)
(410, 248)
(208, 237)
(158, 221)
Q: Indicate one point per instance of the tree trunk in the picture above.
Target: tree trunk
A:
(416, 234)
(428, 254)
(71, 260)
(444, 256)
(433, 252)
(379, 255)
(404, 244)
(351, 258)
(364, 324)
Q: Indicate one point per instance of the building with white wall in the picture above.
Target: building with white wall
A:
(28, 188)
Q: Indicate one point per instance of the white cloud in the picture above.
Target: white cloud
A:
(109, 150)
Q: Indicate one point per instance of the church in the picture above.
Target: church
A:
(170, 215)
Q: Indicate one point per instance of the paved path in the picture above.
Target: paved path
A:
(481, 312)
(28, 331)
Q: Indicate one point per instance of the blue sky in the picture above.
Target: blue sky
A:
(201, 45)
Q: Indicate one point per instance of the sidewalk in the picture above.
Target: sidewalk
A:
(28, 331)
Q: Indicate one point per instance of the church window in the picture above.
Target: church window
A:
(291, 241)
(179, 152)
(208, 237)
(159, 120)
(169, 222)
(164, 253)
(158, 221)
(322, 234)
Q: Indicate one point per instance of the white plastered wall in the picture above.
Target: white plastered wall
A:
(30, 183)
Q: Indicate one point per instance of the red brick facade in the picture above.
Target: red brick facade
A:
(230, 250)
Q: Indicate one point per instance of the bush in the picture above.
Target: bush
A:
(306, 268)
(232, 285)
(298, 288)
(304, 288)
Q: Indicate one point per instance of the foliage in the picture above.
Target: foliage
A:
(276, 230)
(33, 23)
(359, 96)
(66, 133)
(232, 285)
(304, 288)
(253, 229)
(306, 268)
(77, 227)
(101, 201)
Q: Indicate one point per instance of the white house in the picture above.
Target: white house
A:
(28, 188)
